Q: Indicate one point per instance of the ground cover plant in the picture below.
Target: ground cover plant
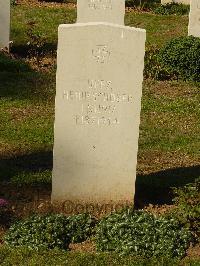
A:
(187, 201)
(169, 141)
(141, 233)
(49, 231)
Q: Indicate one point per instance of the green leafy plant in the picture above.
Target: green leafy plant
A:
(172, 8)
(181, 57)
(81, 227)
(141, 233)
(50, 231)
(187, 201)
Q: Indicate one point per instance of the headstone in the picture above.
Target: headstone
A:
(4, 23)
(101, 11)
(194, 18)
(97, 114)
(185, 2)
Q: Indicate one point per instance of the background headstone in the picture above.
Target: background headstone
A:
(194, 18)
(4, 23)
(101, 11)
(97, 115)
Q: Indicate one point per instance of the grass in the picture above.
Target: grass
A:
(159, 28)
(170, 122)
(45, 21)
(54, 257)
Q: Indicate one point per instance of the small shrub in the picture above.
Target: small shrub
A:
(50, 231)
(187, 201)
(181, 57)
(141, 233)
(172, 8)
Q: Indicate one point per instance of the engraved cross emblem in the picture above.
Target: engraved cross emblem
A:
(101, 53)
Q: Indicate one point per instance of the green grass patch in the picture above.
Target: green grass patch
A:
(160, 29)
(170, 117)
(45, 22)
(23, 256)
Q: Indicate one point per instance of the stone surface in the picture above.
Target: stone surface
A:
(4, 23)
(186, 2)
(194, 18)
(111, 11)
(97, 114)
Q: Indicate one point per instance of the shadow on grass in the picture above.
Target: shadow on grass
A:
(24, 50)
(9, 64)
(19, 81)
(155, 188)
(38, 162)
(27, 85)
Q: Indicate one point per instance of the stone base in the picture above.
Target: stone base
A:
(96, 209)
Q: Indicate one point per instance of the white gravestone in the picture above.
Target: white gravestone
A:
(112, 11)
(97, 114)
(194, 18)
(4, 23)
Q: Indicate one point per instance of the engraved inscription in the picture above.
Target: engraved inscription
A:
(101, 53)
(98, 109)
(97, 96)
(94, 120)
(100, 4)
(98, 101)
(97, 84)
